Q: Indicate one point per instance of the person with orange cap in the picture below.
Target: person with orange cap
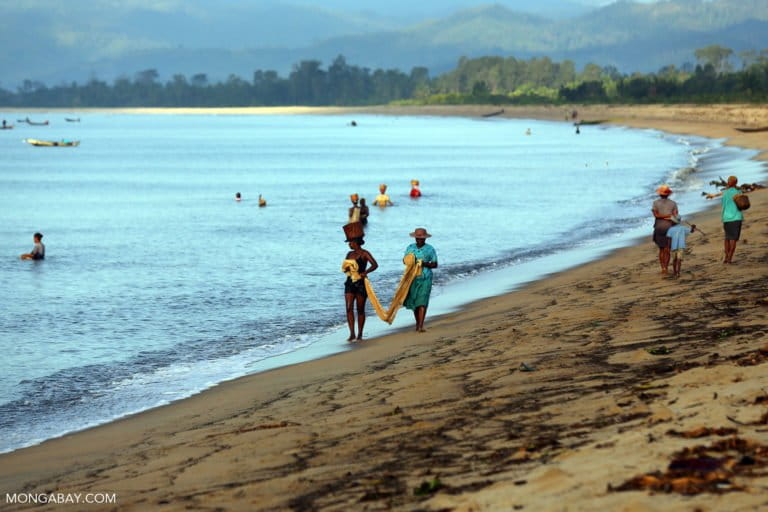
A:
(354, 211)
(731, 216)
(382, 199)
(415, 192)
(663, 209)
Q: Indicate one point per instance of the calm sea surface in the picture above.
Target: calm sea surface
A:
(157, 284)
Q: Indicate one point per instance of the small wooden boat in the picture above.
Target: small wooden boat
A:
(7, 127)
(33, 123)
(72, 119)
(492, 114)
(587, 123)
(53, 143)
(753, 130)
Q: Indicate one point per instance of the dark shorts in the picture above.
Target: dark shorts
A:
(660, 237)
(356, 288)
(732, 230)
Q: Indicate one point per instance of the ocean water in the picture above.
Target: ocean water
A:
(157, 284)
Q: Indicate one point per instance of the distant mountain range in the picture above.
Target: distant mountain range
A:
(51, 41)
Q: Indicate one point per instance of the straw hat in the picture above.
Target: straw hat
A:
(420, 233)
(383, 187)
(353, 230)
(415, 183)
(664, 190)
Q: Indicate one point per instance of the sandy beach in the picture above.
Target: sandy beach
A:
(644, 393)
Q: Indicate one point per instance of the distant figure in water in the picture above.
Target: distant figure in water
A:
(238, 197)
(354, 267)
(354, 210)
(38, 251)
(4, 123)
(577, 129)
(353, 123)
(364, 211)
(382, 199)
(262, 202)
(415, 192)
(528, 131)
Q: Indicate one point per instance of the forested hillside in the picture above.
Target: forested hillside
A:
(54, 42)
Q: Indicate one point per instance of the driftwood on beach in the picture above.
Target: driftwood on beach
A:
(744, 187)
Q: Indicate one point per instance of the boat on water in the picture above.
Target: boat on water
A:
(6, 127)
(72, 119)
(52, 143)
(33, 123)
(753, 130)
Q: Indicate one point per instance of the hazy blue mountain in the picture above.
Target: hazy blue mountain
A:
(430, 9)
(54, 41)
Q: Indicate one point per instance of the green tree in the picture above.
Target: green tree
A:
(715, 55)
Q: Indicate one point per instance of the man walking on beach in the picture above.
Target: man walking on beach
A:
(732, 217)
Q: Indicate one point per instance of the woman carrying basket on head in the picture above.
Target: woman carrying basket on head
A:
(355, 266)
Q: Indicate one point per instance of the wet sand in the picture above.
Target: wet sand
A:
(363, 429)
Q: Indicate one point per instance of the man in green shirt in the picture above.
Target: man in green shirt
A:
(732, 217)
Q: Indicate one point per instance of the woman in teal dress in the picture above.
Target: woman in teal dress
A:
(418, 294)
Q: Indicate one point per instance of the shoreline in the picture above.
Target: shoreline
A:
(256, 405)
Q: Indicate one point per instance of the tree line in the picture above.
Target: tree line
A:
(495, 80)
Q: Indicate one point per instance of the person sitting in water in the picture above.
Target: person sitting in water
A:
(354, 210)
(38, 251)
(364, 211)
(415, 192)
(382, 199)
(238, 197)
(262, 202)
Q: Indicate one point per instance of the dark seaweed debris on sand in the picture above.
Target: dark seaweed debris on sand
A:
(705, 469)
